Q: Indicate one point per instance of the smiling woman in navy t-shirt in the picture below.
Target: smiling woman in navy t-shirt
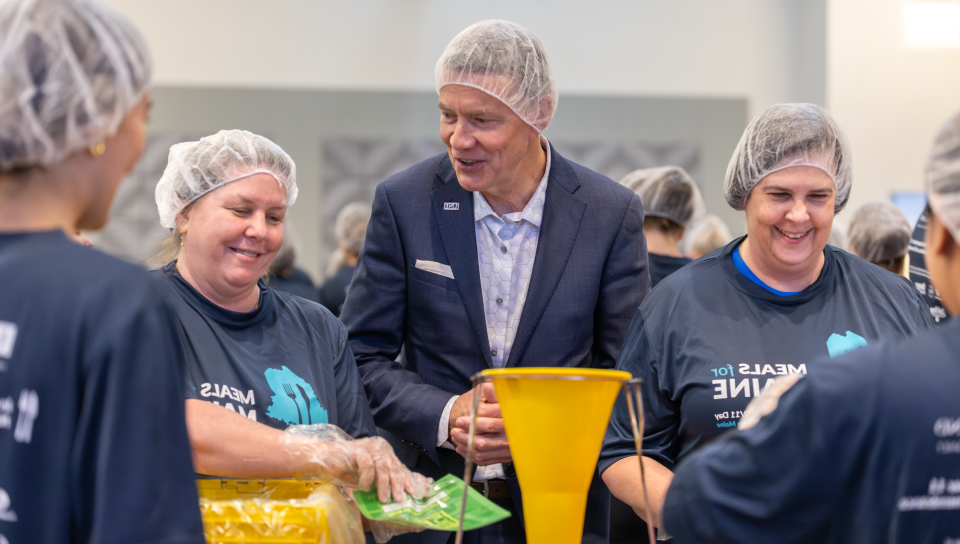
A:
(715, 334)
(866, 448)
(257, 360)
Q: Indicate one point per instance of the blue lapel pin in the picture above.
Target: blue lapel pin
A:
(451, 205)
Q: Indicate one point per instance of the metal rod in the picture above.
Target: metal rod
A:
(477, 380)
(635, 407)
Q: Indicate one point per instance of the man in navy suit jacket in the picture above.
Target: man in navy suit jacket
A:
(499, 253)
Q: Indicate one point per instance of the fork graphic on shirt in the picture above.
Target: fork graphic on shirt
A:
(305, 409)
(293, 396)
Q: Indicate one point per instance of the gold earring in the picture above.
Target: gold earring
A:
(99, 149)
(183, 237)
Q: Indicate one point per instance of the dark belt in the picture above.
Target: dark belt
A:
(492, 489)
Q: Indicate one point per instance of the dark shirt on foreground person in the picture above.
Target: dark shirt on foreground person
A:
(864, 449)
(93, 440)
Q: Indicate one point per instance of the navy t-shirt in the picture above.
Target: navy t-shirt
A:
(662, 266)
(93, 441)
(864, 449)
(708, 340)
(286, 363)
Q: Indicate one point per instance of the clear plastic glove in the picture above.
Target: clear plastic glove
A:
(383, 532)
(326, 453)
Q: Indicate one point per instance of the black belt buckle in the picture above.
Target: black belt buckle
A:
(483, 486)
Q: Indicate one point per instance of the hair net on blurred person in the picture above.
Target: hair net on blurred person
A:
(506, 61)
(351, 231)
(668, 192)
(943, 176)
(838, 236)
(707, 235)
(784, 136)
(196, 168)
(880, 234)
(69, 74)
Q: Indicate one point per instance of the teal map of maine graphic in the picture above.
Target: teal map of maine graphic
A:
(294, 401)
(838, 345)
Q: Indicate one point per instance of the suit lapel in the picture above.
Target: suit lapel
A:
(459, 236)
(562, 213)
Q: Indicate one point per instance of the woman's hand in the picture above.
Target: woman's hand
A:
(326, 453)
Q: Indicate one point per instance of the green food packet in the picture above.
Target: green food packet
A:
(440, 511)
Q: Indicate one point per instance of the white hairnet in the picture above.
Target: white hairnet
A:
(879, 232)
(784, 136)
(707, 235)
(943, 176)
(351, 226)
(70, 71)
(668, 192)
(196, 168)
(506, 61)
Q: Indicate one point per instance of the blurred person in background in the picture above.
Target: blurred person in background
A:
(283, 273)
(705, 236)
(838, 236)
(865, 448)
(880, 234)
(671, 202)
(93, 446)
(351, 231)
(498, 253)
(715, 334)
(258, 360)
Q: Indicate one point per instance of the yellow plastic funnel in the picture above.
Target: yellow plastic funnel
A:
(555, 420)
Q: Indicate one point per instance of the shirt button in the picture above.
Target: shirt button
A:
(503, 249)
(500, 300)
(493, 353)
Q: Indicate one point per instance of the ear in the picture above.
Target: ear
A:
(939, 240)
(183, 219)
(547, 108)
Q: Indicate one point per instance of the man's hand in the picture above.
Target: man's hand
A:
(490, 441)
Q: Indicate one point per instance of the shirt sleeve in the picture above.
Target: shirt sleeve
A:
(352, 406)
(443, 428)
(782, 480)
(132, 472)
(661, 414)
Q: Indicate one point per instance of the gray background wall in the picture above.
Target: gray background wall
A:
(613, 133)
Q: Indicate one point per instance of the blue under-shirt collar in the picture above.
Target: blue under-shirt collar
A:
(745, 270)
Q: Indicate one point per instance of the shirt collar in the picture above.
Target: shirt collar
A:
(532, 212)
